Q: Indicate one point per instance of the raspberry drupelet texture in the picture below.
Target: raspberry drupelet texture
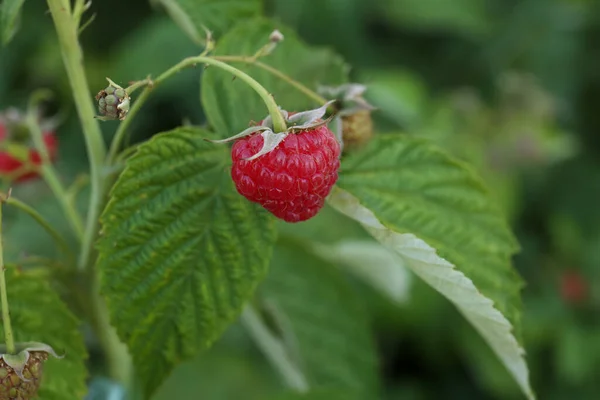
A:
(14, 388)
(293, 180)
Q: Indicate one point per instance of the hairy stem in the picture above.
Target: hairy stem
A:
(277, 73)
(274, 350)
(67, 29)
(278, 120)
(8, 333)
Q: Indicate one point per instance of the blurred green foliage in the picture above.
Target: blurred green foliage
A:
(513, 86)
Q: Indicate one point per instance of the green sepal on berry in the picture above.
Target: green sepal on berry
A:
(353, 124)
(21, 373)
(113, 102)
(295, 122)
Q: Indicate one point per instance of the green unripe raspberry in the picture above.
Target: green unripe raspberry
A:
(113, 102)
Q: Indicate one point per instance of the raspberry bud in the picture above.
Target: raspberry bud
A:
(276, 36)
(113, 102)
(355, 127)
(21, 374)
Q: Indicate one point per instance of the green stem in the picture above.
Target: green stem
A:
(60, 241)
(67, 28)
(56, 186)
(118, 358)
(274, 350)
(136, 85)
(277, 73)
(8, 333)
(50, 176)
(278, 120)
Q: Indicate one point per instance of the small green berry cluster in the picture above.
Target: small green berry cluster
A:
(13, 387)
(113, 102)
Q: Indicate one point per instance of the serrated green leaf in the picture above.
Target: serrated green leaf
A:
(230, 105)
(181, 251)
(323, 324)
(219, 15)
(38, 314)
(412, 196)
(10, 13)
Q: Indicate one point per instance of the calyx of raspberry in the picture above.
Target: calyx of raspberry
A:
(18, 362)
(296, 122)
(349, 98)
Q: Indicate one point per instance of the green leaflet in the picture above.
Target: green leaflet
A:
(322, 322)
(230, 105)
(38, 314)
(410, 196)
(219, 15)
(10, 13)
(181, 251)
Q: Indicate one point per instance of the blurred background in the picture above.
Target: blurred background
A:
(511, 86)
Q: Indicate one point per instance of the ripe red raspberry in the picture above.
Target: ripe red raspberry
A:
(14, 166)
(293, 180)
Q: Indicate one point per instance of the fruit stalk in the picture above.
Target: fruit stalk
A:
(278, 74)
(8, 333)
(279, 124)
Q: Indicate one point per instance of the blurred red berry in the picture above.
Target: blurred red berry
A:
(14, 167)
(573, 287)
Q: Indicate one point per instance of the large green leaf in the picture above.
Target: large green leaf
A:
(319, 394)
(219, 15)
(460, 16)
(375, 264)
(321, 322)
(39, 315)
(230, 105)
(436, 214)
(181, 251)
(10, 13)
